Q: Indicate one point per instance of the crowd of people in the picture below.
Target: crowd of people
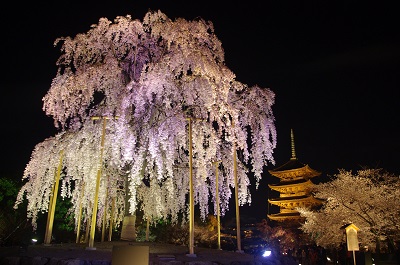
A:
(309, 255)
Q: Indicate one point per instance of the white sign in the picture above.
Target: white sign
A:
(352, 240)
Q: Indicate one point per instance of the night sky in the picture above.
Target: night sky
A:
(333, 65)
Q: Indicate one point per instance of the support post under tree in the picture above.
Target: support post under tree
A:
(78, 229)
(239, 244)
(48, 215)
(103, 228)
(110, 228)
(191, 196)
(96, 194)
(53, 201)
(216, 163)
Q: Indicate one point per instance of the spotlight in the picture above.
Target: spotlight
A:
(267, 253)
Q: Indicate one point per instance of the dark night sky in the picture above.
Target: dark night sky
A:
(333, 65)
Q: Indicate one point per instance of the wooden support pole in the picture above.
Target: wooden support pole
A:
(217, 202)
(96, 194)
(110, 228)
(53, 200)
(78, 229)
(191, 196)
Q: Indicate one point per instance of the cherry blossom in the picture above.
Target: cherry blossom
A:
(368, 199)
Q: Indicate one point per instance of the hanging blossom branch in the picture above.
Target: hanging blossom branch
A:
(40, 175)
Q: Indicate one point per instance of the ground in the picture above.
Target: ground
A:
(103, 254)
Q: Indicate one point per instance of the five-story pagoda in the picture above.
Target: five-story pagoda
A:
(294, 188)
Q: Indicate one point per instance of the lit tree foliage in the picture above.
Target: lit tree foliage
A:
(150, 78)
(369, 199)
(278, 237)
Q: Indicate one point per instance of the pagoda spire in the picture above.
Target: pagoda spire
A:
(292, 144)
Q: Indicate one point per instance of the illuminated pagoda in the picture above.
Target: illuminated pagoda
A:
(294, 188)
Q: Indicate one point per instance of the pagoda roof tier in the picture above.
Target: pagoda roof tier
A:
(284, 216)
(294, 169)
(290, 198)
(298, 199)
(291, 183)
(301, 185)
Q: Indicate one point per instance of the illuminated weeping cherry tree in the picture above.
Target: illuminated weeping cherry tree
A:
(156, 76)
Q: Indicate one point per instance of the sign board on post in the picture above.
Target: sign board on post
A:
(352, 240)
